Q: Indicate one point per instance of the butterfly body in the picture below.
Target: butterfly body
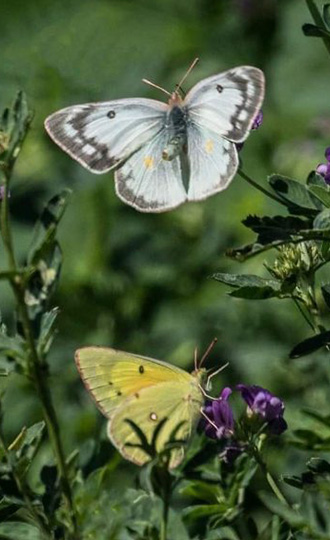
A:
(148, 393)
(144, 140)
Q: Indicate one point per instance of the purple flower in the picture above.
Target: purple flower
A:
(324, 168)
(256, 124)
(219, 419)
(265, 405)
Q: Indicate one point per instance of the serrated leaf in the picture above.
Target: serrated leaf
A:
(310, 345)
(310, 30)
(326, 15)
(295, 194)
(250, 286)
(322, 193)
(245, 280)
(275, 228)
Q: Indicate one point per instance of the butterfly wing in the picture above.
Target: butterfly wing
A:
(213, 163)
(101, 135)
(112, 376)
(176, 403)
(148, 182)
(227, 103)
(145, 391)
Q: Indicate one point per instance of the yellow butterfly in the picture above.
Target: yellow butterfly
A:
(143, 395)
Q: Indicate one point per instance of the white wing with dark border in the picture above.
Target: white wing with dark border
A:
(102, 135)
(227, 103)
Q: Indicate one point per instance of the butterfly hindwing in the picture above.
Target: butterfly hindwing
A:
(101, 135)
(227, 103)
(213, 162)
(175, 405)
(148, 182)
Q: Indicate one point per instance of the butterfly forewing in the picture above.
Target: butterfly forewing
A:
(101, 135)
(111, 376)
(227, 103)
(213, 162)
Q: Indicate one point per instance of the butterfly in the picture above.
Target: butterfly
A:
(165, 154)
(144, 400)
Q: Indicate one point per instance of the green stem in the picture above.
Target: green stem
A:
(35, 363)
(259, 187)
(269, 478)
(296, 301)
(22, 488)
(317, 18)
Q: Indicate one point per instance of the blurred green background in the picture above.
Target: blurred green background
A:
(140, 282)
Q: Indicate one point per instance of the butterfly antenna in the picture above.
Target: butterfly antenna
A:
(208, 350)
(187, 72)
(195, 358)
(156, 86)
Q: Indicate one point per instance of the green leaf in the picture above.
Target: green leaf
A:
(284, 511)
(14, 125)
(326, 293)
(310, 345)
(275, 228)
(326, 15)
(250, 286)
(310, 30)
(14, 530)
(47, 330)
(295, 194)
(322, 193)
(203, 510)
(224, 533)
(319, 466)
(202, 490)
(322, 220)
(45, 229)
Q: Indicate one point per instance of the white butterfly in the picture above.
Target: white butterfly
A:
(165, 154)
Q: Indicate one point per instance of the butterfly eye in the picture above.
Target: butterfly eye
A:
(219, 88)
(111, 114)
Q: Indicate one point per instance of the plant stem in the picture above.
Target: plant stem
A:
(22, 487)
(317, 17)
(36, 368)
(296, 301)
(259, 187)
(270, 479)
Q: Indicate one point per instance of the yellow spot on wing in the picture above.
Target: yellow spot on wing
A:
(148, 162)
(209, 145)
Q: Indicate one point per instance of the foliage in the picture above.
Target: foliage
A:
(121, 285)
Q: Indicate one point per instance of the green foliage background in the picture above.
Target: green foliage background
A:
(140, 282)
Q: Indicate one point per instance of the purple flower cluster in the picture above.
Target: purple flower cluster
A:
(256, 124)
(262, 405)
(324, 168)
